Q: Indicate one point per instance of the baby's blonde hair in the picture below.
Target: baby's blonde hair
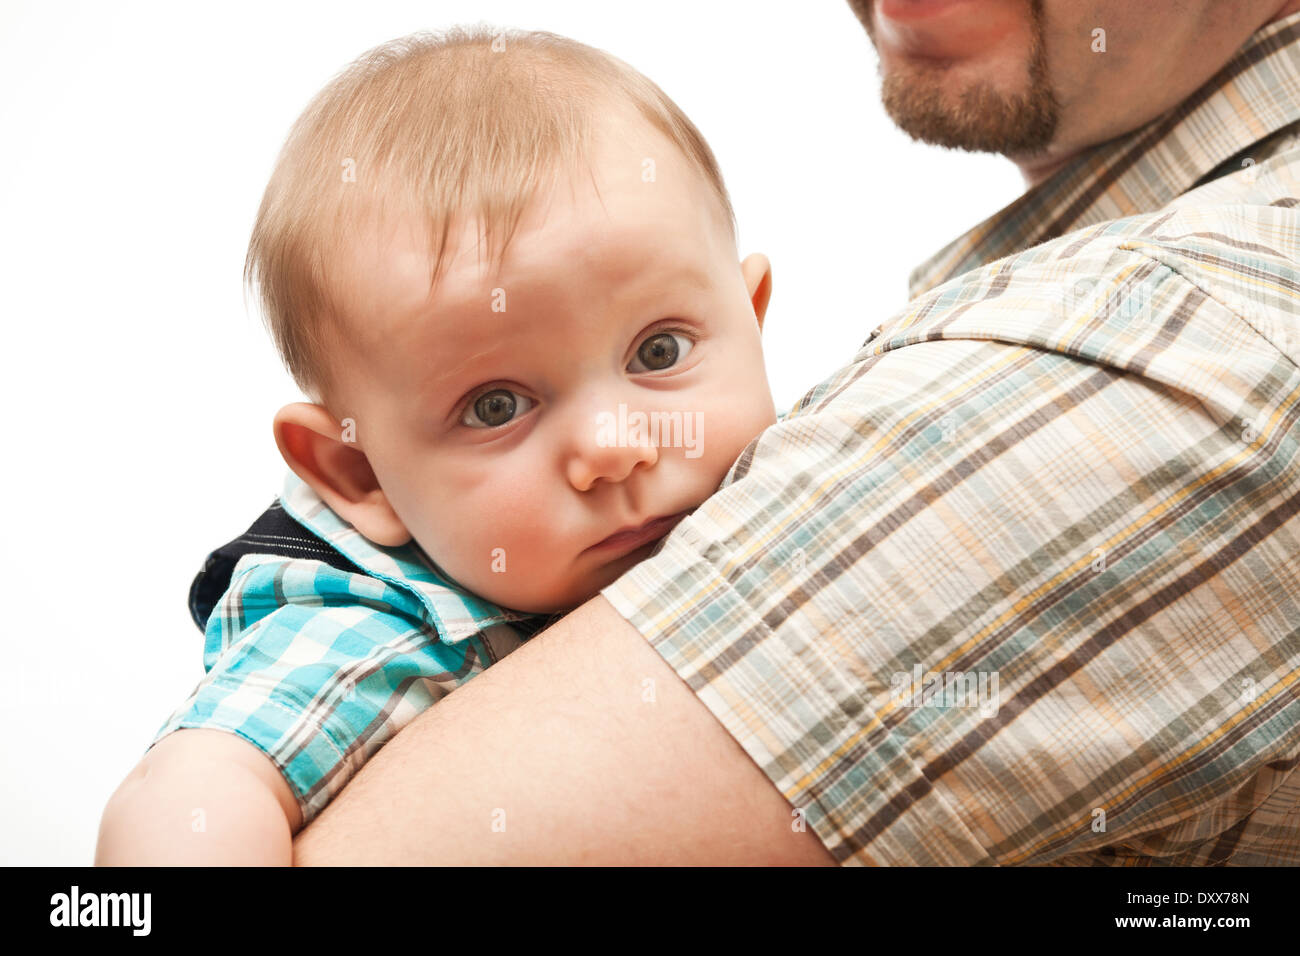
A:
(469, 121)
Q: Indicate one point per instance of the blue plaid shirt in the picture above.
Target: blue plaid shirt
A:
(319, 667)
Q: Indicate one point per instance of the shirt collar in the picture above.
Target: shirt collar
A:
(456, 613)
(1255, 96)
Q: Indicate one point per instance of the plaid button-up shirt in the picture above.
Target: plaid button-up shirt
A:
(1021, 583)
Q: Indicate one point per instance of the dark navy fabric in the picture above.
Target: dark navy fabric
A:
(274, 532)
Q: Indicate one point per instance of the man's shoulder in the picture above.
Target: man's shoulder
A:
(1192, 295)
(1229, 251)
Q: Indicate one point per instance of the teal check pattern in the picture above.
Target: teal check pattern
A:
(319, 667)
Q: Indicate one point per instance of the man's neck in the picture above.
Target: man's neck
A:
(1034, 170)
(1287, 10)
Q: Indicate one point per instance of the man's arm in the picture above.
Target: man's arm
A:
(581, 747)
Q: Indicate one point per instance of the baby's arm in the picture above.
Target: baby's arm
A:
(200, 797)
(319, 666)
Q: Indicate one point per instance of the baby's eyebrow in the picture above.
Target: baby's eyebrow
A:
(449, 374)
(692, 270)
(445, 378)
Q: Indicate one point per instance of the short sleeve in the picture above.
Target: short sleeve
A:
(1017, 585)
(319, 668)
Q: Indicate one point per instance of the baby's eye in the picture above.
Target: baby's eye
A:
(495, 408)
(661, 351)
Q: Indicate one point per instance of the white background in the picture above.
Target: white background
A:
(138, 388)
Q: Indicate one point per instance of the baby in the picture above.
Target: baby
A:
(503, 267)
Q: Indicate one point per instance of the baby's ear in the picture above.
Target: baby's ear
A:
(324, 453)
(758, 281)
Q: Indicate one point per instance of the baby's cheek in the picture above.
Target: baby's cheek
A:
(734, 429)
(506, 556)
(459, 545)
(531, 545)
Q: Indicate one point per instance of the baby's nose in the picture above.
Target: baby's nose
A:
(612, 445)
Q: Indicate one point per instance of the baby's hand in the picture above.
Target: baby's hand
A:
(200, 797)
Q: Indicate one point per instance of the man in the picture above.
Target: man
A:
(1022, 593)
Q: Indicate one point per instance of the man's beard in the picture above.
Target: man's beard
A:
(982, 119)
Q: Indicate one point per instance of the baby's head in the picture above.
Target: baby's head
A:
(503, 267)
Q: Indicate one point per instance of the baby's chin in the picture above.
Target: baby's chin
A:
(563, 589)
(532, 605)
(559, 600)
(561, 597)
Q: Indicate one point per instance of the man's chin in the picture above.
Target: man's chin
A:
(928, 103)
(987, 93)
